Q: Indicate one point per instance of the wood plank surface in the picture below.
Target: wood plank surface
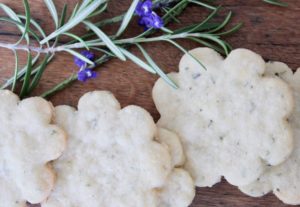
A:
(271, 31)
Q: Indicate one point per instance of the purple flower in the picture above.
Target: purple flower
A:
(144, 8)
(152, 20)
(86, 74)
(89, 55)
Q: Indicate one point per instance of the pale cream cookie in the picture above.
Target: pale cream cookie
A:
(113, 159)
(232, 120)
(28, 141)
(283, 180)
(179, 190)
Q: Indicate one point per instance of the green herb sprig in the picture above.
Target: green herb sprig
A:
(207, 32)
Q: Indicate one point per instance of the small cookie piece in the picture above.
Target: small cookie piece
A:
(27, 143)
(112, 159)
(283, 180)
(232, 121)
(179, 190)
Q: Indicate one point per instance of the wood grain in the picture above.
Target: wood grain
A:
(270, 31)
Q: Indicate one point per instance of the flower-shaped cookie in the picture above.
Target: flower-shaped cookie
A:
(232, 120)
(283, 180)
(27, 143)
(179, 190)
(113, 160)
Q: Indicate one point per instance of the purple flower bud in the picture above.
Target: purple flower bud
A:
(144, 8)
(152, 20)
(157, 21)
(86, 74)
(89, 55)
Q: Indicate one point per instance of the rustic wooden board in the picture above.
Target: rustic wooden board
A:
(271, 31)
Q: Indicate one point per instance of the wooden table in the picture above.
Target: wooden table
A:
(271, 31)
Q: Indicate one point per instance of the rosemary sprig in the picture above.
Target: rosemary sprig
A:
(176, 10)
(207, 32)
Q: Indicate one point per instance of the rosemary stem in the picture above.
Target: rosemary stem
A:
(22, 47)
(99, 43)
(71, 79)
(27, 48)
(60, 86)
(132, 40)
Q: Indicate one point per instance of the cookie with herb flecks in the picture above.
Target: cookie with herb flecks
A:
(232, 120)
(28, 141)
(283, 180)
(113, 159)
(179, 188)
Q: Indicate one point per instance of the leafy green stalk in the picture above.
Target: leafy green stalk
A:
(208, 32)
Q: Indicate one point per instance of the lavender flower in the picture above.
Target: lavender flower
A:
(80, 63)
(86, 74)
(144, 8)
(152, 20)
(148, 18)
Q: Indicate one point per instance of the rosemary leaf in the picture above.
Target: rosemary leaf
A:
(20, 73)
(276, 3)
(166, 30)
(207, 44)
(61, 23)
(106, 40)
(185, 51)
(156, 68)
(202, 4)
(75, 10)
(63, 15)
(223, 24)
(127, 17)
(232, 30)
(39, 73)
(203, 27)
(103, 50)
(138, 61)
(77, 19)
(102, 8)
(52, 9)
(27, 76)
(36, 69)
(16, 71)
(171, 15)
(83, 5)
(76, 54)
(14, 17)
(215, 39)
(77, 38)
(205, 20)
(60, 86)
(37, 26)
(21, 25)
(27, 23)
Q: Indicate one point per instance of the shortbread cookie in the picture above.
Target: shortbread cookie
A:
(283, 180)
(179, 189)
(27, 143)
(171, 139)
(232, 121)
(112, 159)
